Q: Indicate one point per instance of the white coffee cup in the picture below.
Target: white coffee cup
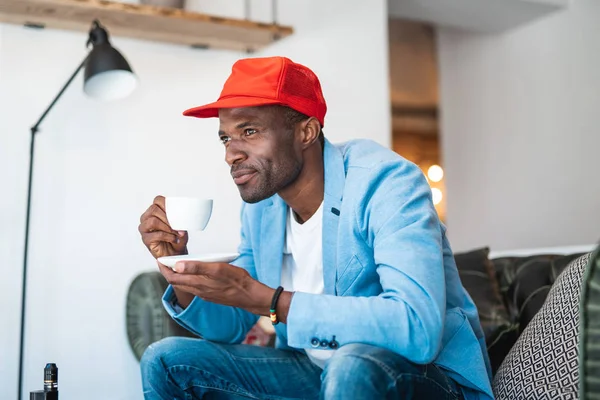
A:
(188, 213)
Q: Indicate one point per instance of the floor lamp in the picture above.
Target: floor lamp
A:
(107, 76)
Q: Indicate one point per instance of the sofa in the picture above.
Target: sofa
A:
(509, 289)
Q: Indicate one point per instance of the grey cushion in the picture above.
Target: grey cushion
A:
(543, 363)
(478, 277)
(589, 346)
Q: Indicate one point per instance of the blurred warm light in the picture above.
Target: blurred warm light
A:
(436, 195)
(435, 173)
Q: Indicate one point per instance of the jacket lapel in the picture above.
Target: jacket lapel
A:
(272, 241)
(335, 177)
(274, 219)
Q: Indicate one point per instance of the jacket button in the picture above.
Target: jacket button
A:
(334, 344)
(324, 343)
(314, 342)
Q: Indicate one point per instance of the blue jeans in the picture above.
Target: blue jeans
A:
(186, 368)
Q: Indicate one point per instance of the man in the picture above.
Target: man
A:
(372, 305)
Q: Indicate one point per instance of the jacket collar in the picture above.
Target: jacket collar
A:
(335, 173)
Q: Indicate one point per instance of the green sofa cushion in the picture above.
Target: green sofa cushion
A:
(589, 343)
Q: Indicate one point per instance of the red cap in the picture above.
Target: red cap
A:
(265, 81)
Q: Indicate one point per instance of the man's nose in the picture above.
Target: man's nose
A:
(234, 154)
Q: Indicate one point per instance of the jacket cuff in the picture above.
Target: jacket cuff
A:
(304, 330)
(183, 316)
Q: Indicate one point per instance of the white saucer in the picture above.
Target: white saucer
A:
(212, 257)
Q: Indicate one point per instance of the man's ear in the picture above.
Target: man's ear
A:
(311, 128)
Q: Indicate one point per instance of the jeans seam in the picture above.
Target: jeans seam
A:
(413, 377)
(389, 371)
(447, 379)
(213, 378)
(250, 396)
(395, 377)
(262, 359)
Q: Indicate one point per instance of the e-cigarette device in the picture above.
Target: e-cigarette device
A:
(50, 391)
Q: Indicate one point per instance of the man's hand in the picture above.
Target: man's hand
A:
(226, 284)
(162, 241)
(157, 234)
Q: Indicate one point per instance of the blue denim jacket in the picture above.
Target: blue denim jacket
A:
(390, 276)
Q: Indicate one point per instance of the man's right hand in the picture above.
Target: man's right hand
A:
(162, 241)
(157, 234)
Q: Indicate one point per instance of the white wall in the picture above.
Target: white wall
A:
(98, 166)
(521, 133)
(489, 16)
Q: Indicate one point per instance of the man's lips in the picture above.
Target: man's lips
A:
(243, 176)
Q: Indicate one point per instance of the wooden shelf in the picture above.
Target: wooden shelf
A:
(144, 22)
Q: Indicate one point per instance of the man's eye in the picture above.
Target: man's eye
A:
(224, 139)
(249, 132)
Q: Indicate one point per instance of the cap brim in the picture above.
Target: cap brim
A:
(212, 110)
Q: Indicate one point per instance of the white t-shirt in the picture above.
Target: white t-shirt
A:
(302, 269)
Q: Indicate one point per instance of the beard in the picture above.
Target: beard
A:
(270, 178)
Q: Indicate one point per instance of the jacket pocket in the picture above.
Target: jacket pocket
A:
(350, 273)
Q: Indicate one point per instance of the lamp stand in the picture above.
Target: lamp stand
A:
(34, 131)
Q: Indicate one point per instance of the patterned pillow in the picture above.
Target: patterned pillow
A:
(589, 352)
(543, 363)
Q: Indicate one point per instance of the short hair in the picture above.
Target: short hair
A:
(293, 117)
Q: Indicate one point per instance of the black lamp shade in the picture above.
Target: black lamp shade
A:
(107, 75)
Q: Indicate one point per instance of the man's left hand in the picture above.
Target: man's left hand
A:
(222, 284)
